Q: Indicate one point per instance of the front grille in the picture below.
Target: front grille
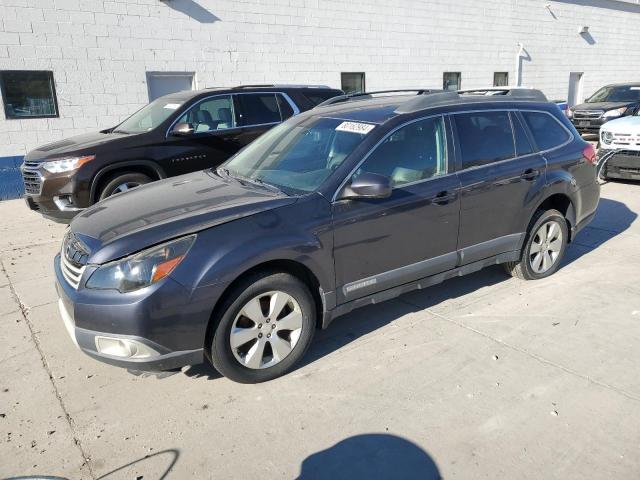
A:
(587, 114)
(73, 259)
(622, 140)
(32, 178)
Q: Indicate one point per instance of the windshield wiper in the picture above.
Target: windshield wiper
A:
(121, 131)
(266, 185)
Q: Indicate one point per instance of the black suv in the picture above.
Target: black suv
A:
(608, 103)
(175, 134)
(354, 202)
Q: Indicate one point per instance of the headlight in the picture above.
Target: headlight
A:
(618, 112)
(66, 164)
(142, 269)
(607, 138)
(569, 113)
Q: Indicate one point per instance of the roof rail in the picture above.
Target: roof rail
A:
(450, 98)
(366, 95)
(280, 85)
(520, 92)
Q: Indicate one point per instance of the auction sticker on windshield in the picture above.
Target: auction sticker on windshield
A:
(355, 127)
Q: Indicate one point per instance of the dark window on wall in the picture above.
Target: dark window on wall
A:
(28, 94)
(352, 82)
(485, 137)
(451, 81)
(500, 79)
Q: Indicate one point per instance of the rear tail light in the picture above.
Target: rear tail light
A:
(589, 153)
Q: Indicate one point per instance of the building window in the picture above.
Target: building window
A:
(500, 79)
(452, 81)
(28, 94)
(160, 84)
(352, 82)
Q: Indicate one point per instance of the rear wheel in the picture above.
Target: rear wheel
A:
(265, 327)
(544, 247)
(123, 182)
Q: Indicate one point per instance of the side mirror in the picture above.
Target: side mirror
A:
(182, 129)
(368, 185)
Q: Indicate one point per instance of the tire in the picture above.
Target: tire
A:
(236, 350)
(128, 179)
(551, 239)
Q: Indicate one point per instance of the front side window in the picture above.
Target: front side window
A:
(485, 137)
(28, 94)
(210, 115)
(414, 152)
(298, 158)
(546, 131)
(149, 117)
(451, 81)
(258, 108)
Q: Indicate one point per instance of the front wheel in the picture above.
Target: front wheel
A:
(265, 327)
(123, 182)
(544, 247)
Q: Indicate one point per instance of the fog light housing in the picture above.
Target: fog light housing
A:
(607, 138)
(124, 348)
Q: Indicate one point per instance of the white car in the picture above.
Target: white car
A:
(619, 153)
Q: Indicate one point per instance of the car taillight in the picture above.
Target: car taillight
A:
(589, 153)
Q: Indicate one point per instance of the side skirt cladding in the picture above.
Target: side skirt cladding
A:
(425, 282)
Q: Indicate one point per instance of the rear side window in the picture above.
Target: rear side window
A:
(546, 130)
(258, 108)
(484, 137)
(523, 146)
(286, 110)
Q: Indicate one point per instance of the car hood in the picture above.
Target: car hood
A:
(148, 215)
(629, 125)
(601, 106)
(79, 144)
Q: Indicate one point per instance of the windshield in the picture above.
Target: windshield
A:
(298, 158)
(149, 117)
(616, 94)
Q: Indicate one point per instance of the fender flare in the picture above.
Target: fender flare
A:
(116, 166)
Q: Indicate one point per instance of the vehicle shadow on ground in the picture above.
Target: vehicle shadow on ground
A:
(612, 219)
(371, 456)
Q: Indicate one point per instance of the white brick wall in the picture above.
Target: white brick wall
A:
(100, 50)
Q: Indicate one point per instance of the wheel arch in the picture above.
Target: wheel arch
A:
(146, 167)
(562, 202)
(299, 270)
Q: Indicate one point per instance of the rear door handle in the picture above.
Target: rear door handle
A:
(444, 197)
(530, 174)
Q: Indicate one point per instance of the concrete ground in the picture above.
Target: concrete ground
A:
(480, 377)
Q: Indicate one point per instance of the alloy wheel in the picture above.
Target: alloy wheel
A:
(266, 330)
(123, 187)
(545, 247)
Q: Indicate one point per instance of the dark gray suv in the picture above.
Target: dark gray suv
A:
(357, 201)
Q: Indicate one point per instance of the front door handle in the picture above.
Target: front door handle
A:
(444, 197)
(530, 174)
